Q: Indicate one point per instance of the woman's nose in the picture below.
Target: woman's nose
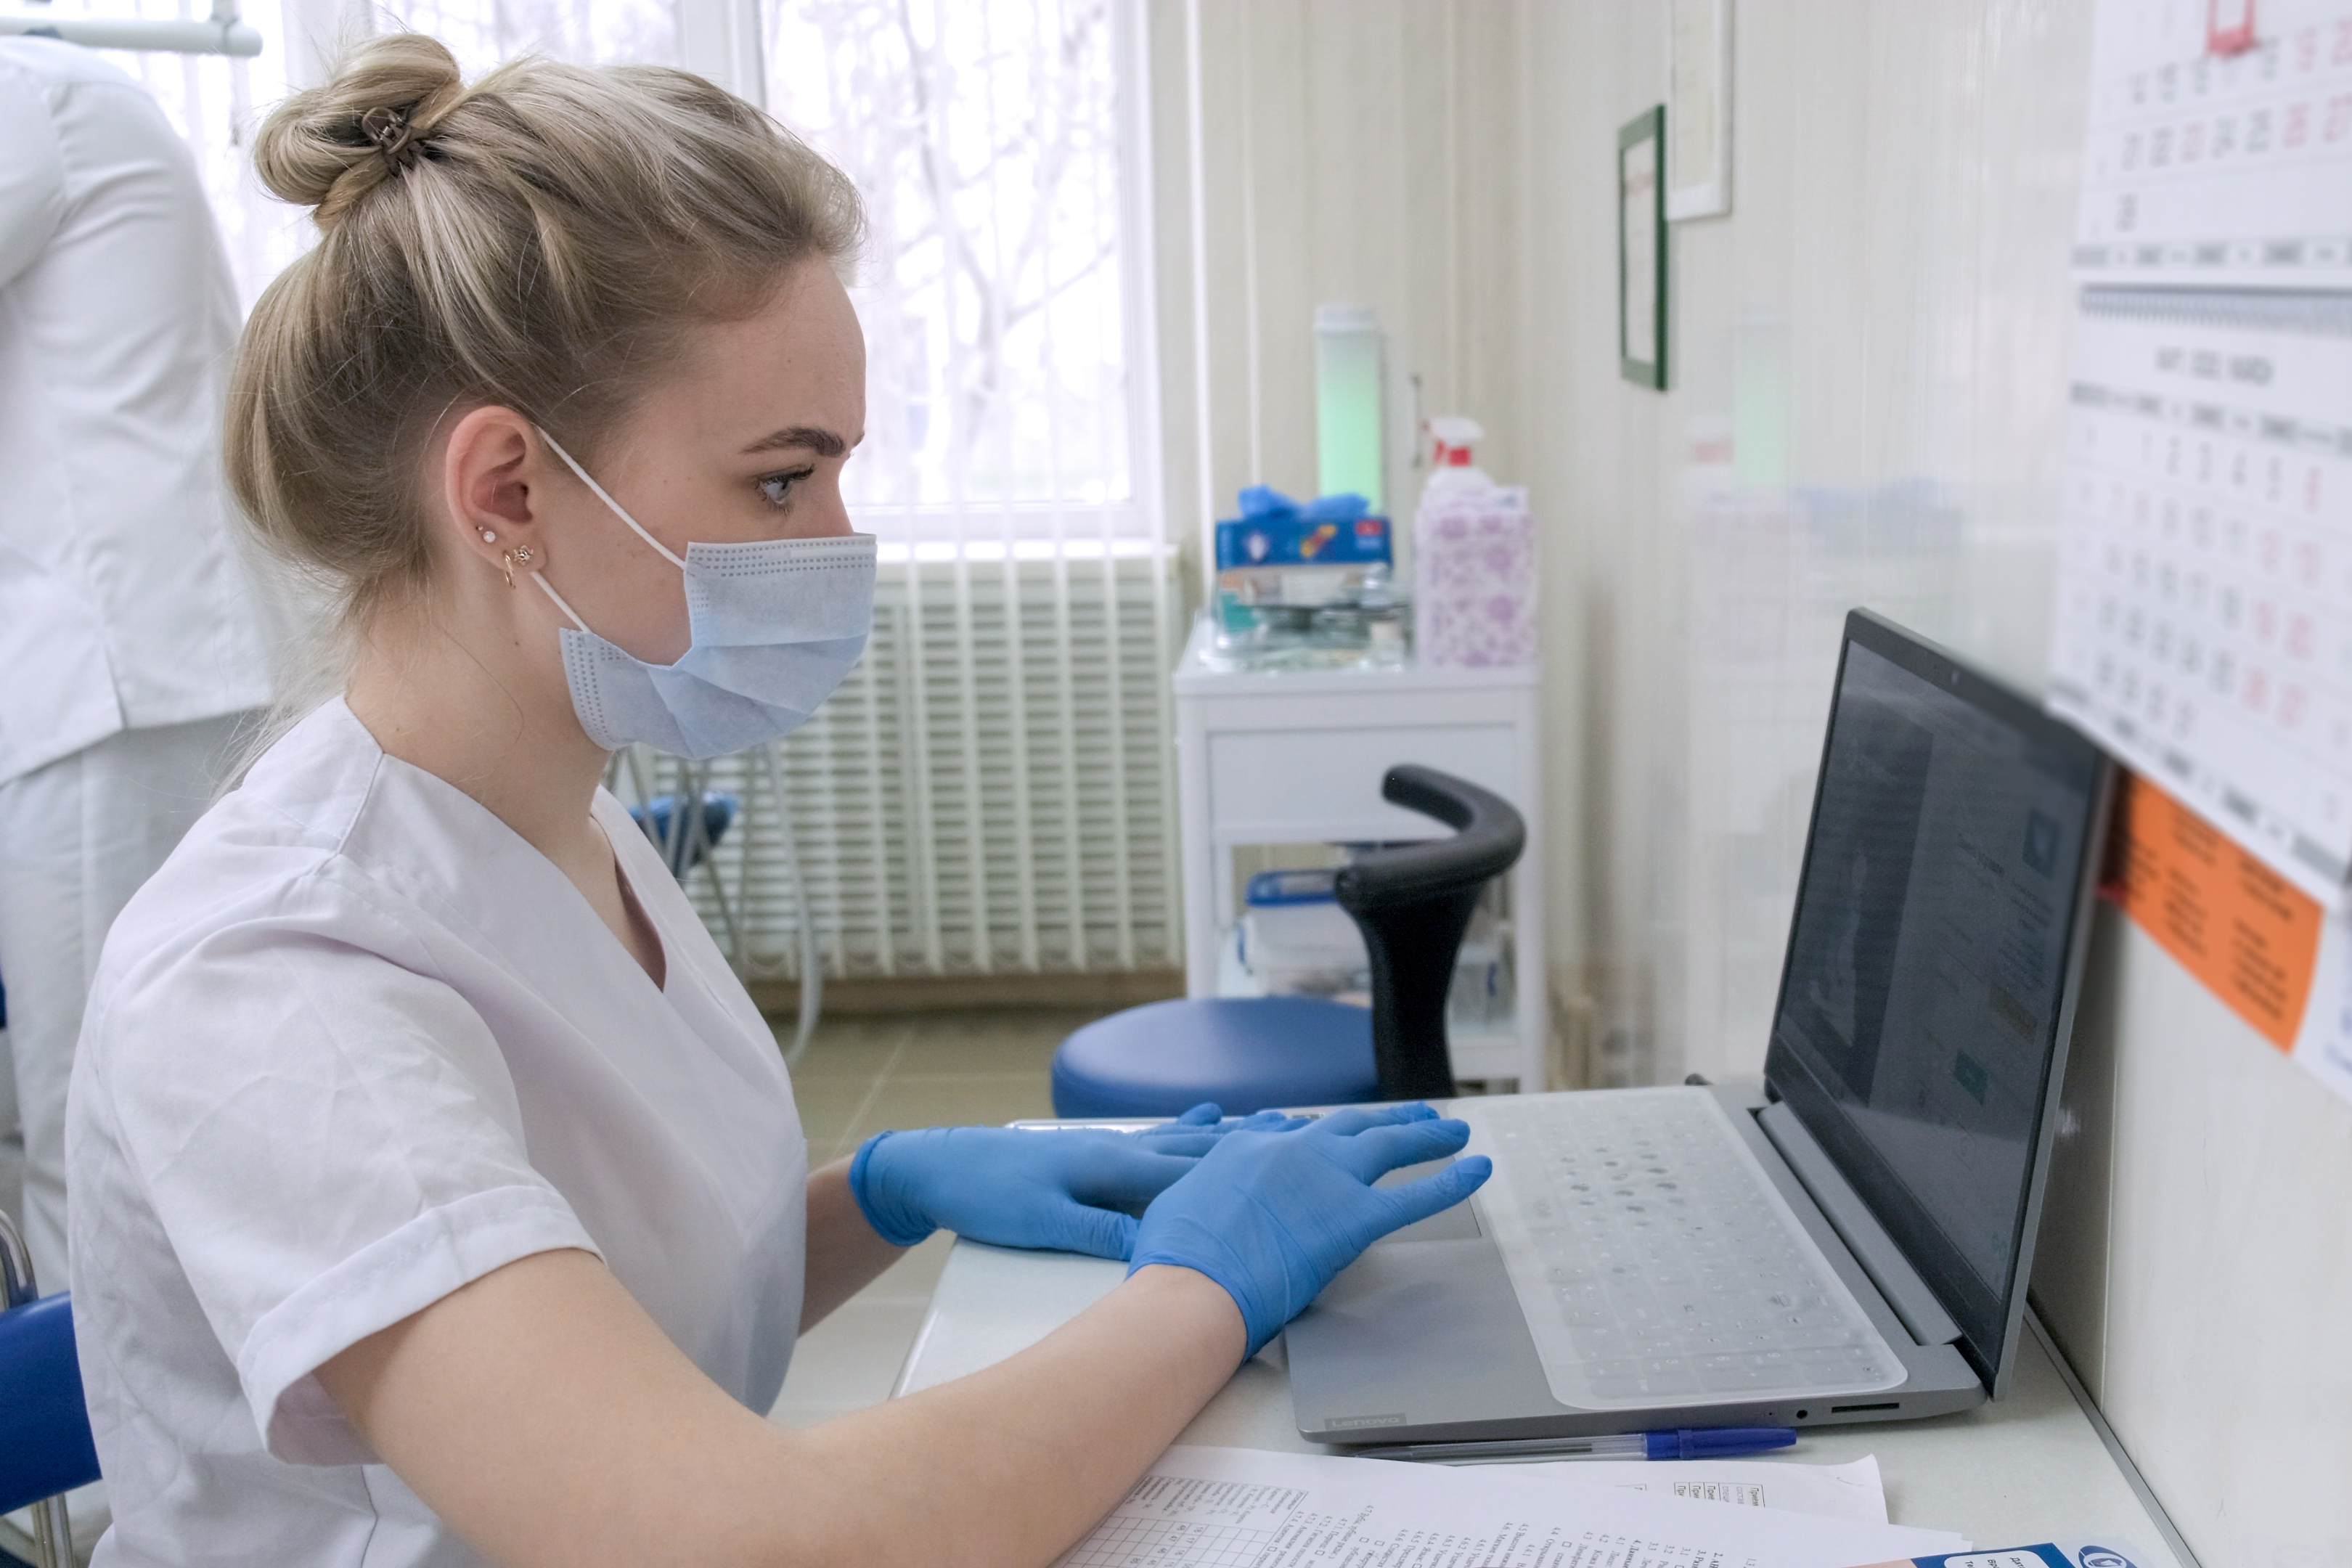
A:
(832, 522)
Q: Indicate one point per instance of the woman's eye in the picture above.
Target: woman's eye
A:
(777, 488)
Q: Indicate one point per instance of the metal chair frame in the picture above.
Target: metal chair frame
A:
(650, 775)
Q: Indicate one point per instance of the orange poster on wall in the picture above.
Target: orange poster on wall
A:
(2249, 934)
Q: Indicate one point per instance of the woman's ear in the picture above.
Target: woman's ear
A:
(486, 487)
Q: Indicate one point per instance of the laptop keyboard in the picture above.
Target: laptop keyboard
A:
(1654, 1260)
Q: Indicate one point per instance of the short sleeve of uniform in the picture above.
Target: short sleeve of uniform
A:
(32, 170)
(329, 1136)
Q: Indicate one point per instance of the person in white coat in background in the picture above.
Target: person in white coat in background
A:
(129, 646)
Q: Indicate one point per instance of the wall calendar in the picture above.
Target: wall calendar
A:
(2205, 580)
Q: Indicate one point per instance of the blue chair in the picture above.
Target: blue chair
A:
(44, 1443)
(684, 837)
(1413, 904)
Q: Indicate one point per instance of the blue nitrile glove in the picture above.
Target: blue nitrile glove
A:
(1273, 1215)
(1201, 1129)
(1076, 1190)
(1259, 501)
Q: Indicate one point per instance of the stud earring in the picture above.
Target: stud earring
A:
(523, 555)
(490, 536)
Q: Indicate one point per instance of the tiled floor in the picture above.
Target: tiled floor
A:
(863, 1076)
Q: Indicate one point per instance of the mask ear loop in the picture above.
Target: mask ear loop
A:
(608, 500)
(548, 588)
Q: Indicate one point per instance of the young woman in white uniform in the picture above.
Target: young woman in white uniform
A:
(437, 1193)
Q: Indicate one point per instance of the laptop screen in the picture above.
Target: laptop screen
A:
(1932, 957)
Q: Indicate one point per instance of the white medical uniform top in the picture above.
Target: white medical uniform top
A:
(354, 1046)
(120, 605)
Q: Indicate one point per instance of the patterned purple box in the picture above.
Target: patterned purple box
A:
(1474, 581)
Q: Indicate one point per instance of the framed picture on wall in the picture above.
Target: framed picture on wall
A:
(1698, 106)
(1642, 250)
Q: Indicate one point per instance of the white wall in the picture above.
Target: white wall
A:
(1870, 368)
(1870, 364)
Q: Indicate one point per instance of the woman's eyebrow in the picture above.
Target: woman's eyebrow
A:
(824, 443)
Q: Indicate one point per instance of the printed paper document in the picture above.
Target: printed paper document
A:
(1839, 1491)
(1238, 1507)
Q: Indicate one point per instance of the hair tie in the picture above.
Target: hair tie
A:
(393, 134)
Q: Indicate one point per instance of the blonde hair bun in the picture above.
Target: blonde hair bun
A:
(327, 147)
(542, 240)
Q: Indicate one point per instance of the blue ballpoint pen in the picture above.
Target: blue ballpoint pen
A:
(1689, 1442)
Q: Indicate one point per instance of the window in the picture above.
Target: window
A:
(483, 33)
(1000, 291)
(1005, 304)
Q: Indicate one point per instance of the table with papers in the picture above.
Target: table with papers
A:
(2026, 1469)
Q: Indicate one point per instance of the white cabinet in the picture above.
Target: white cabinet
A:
(1297, 757)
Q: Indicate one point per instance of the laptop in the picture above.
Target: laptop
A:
(1850, 1241)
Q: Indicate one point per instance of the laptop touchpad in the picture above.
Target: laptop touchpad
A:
(1459, 1223)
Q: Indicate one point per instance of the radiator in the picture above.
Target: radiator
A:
(992, 791)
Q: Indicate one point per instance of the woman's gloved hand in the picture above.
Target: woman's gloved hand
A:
(1272, 1216)
(1199, 1130)
(1076, 1190)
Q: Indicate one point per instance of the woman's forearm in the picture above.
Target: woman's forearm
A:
(545, 1416)
(844, 1255)
(1007, 1467)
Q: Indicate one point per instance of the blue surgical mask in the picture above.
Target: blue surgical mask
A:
(775, 626)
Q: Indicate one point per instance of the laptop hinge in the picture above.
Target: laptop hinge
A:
(1850, 1216)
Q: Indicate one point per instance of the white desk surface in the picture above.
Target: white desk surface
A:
(2027, 1469)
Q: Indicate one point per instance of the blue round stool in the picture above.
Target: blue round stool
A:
(1244, 1053)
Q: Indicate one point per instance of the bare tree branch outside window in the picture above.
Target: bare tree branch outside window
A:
(985, 136)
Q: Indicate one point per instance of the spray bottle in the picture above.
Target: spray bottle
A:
(1453, 470)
